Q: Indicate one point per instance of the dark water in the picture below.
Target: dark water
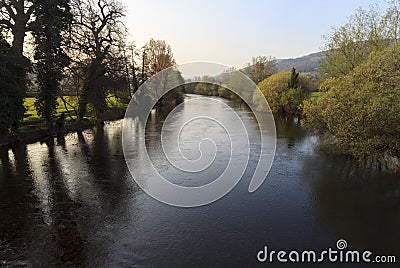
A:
(74, 204)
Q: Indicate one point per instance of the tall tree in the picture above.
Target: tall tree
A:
(53, 19)
(261, 68)
(16, 16)
(367, 31)
(97, 33)
(157, 57)
(358, 114)
(281, 96)
(297, 92)
(294, 79)
(12, 82)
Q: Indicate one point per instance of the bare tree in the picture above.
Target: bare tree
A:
(97, 33)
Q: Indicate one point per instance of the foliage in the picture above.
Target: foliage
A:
(285, 92)
(53, 19)
(292, 100)
(294, 79)
(175, 96)
(361, 110)
(243, 87)
(260, 68)
(227, 94)
(157, 57)
(13, 70)
(97, 33)
(315, 95)
(367, 31)
(31, 113)
(79, 50)
(358, 115)
(208, 87)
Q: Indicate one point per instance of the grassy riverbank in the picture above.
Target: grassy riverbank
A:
(66, 104)
(33, 128)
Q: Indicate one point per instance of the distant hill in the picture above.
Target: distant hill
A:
(305, 64)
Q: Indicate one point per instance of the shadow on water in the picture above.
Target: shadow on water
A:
(58, 199)
(72, 203)
(20, 216)
(70, 241)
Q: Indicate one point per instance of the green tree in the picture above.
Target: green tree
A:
(13, 78)
(97, 33)
(360, 114)
(260, 68)
(350, 44)
(292, 99)
(15, 18)
(175, 96)
(53, 19)
(240, 85)
(294, 81)
(208, 87)
(285, 92)
(226, 93)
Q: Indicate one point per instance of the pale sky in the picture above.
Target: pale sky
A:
(232, 32)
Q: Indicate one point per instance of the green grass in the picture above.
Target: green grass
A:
(31, 114)
(316, 95)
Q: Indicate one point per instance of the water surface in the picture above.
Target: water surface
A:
(74, 203)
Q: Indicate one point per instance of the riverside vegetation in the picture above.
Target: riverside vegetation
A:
(83, 66)
(358, 113)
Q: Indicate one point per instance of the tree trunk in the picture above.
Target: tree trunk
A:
(19, 36)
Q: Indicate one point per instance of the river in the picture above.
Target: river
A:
(75, 204)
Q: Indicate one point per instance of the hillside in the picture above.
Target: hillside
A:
(305, 64)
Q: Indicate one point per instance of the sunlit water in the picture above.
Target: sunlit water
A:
(76, 204)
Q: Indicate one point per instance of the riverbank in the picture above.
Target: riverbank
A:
(76, 205)
(31, 132)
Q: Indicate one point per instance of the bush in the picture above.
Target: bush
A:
(361, 110)
(285, 92)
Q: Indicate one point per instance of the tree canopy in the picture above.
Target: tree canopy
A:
(285, 92)
(53, 20)
(13, 78)
(260, 68)
(359, 112)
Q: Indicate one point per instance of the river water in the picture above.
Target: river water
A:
(73, 203)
